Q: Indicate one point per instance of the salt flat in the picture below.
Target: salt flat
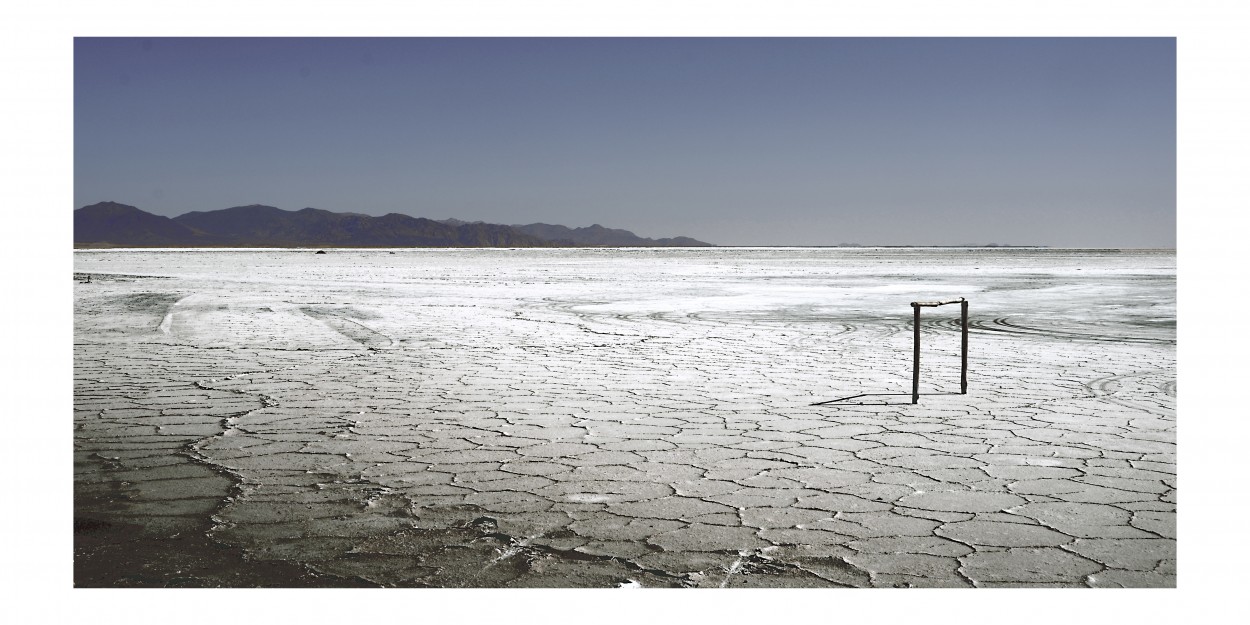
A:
(605, 417)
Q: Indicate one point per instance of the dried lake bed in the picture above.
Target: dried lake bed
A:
(623, 417)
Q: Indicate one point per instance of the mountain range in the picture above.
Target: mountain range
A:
(597, 235)
(110, 224)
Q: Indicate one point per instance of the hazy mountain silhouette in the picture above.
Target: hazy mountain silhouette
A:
(112, 224)
(109, 224)
(258, 225)
(597, 235)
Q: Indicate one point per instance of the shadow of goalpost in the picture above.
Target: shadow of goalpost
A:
(915, 363)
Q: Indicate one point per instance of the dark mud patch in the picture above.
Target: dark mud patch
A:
(116, 547)
(154, 303)
(109, 554)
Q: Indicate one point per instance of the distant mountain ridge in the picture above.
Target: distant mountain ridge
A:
(110, 224)
(597, 235)
(121, 224)
(258, 225)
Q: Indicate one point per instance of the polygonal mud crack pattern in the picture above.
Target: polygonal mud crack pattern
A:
(468, 446)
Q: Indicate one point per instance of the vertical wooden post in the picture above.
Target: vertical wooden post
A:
(915, 358)
(963, 354)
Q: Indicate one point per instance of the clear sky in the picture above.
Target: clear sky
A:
(757, 141)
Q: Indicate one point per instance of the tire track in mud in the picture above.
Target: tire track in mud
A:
(354, 330)
(167, 322)
(584, 319)
(1169, 388)
(826, 327)
(802, 330)
(1006, 326)
(1112, 388)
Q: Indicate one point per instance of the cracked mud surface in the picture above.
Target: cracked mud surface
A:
(602, 418)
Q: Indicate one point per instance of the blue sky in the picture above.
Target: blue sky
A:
(755, 141)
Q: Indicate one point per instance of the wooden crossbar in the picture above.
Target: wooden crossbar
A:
(931, 304)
